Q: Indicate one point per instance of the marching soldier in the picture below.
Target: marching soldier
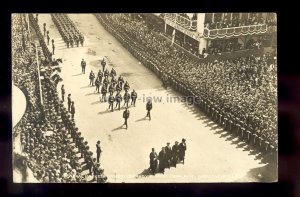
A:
(105, 81)
(81, 39)
(92, 77)
(182, 149)
(63, 93)
(71, 41)
(103, 92)
(133, 97)
(113, 81)
(68, 41)
(111, 88)
(126, 98)
(106, 73)
(126, 86)
(121, 80)
(111, 101)
(83, 65)
(100, 75)
(153, 161)
(126, 114)
(118, 87)
(97, 83)
(168, 154)
(103, 63)
(175, 153)
(113, 72)
(149, 108)
(118, 99)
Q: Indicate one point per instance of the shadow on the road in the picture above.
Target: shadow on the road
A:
(118, 128)
(141, 119)
(145, 173)
(85, 87)
(104, 112)
(88, 94)
(96, 102)
(78, 74)
(219, 131)
(267, 173)
(230, 138)
(215, 127)
(224, 135)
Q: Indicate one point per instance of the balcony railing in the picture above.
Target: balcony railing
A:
(182, 21)
(235, 31)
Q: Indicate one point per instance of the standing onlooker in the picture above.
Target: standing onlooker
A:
(63, 93)
(162, 160)
(126, 116)
(153, 161)
(182, 149)
(99, 150)
(148, 108)
(69, 102)
(72, 110)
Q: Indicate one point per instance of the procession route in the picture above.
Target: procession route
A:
(212, 155)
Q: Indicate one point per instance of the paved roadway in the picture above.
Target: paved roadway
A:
(211, 156)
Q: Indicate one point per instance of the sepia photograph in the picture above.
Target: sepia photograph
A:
(144, 97)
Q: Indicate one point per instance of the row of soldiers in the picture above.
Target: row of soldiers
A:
(68, 30)
(167, 157)
(111, 86)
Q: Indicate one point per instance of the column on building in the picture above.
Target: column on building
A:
(200, 22)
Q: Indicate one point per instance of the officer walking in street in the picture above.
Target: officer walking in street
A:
(149, 108)
(111, 101)
(126, 114)
(44, 29)
(133, 97)
(48, 38)
(103, 63)
(53, 48)
(83, 65)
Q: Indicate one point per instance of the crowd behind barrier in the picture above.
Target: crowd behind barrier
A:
(48, 137)
(67, 29)
(239, 93)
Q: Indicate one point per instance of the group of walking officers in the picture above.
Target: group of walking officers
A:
(167, 157)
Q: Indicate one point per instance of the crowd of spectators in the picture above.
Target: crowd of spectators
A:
(49, 138)
(220, 23)
(243, 89)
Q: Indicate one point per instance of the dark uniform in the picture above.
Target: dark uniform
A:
(113, 72)
(83, 65)
(148, 108)
(111, 101)
(118, 88)
(69, 103)
(72, 110)
(126, 86)
(103, 63)
(133, 97)
(126, 98)
(44, 29)
(48, 39)
(111, 88)
(97, 83)
(182, 149)
(118, 99)
(162, 157)
(63, 93)
(175, 154)
(98, 151)
(120, 81)
(92, 77)
(153, 161)
(169, 154)
(100, 75)
(103, 92)
(126, 114)
(53, 48)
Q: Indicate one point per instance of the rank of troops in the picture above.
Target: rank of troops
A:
(68, 31)
(110, 84)
(167, 157)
